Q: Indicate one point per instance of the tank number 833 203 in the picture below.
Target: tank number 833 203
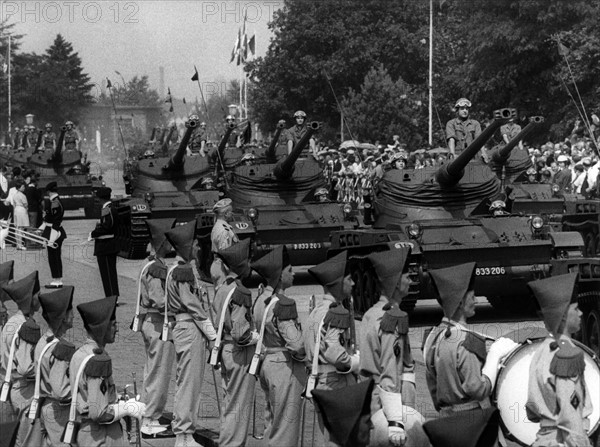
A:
(307, 246)
(485, 271)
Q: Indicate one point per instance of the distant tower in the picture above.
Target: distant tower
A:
(161, 81)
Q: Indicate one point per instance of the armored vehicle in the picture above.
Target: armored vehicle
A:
(564, 210)
(444, 216)
(276, 199)
(70, 170)
(162, 187)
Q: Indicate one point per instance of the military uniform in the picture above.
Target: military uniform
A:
(282, 374)
(237, 342)
(222, 236)
(160, 355)
(17, 344)
(53, 217)
(198, 136)
(295, 133)
(106, 249)
(71, 139)
(558, 397)
(193, 330)
(511, 130)
(6, 276)
(48, 141)
(464, 132)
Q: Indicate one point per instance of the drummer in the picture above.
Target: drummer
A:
(558, 397)
(460, 374)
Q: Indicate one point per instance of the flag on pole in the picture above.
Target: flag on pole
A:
(252, 44)
(108, 83)
(169, 99)
(184, 101)
(562, 50)
(195, 76)
(236, 48)
(239, 47)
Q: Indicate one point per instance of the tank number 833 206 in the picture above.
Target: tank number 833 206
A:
(485, 271)
(307, 246)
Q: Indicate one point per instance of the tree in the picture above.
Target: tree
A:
(343, 37)
(137, 92)
(64, 88)
(385, 107)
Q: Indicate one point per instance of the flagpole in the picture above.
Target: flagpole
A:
(430, 73)
(9, 90)
(202, 94)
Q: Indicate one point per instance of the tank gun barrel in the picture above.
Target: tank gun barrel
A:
(163, 134)
(285, 168)
(223, 143)
(270, 152)
(176, 161)
(38, 143)
(61, 138)
(153, 134)
(451, 173)
(501, 155)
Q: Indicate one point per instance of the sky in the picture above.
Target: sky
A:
(137, 37)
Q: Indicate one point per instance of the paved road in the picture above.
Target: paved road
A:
(80, 269)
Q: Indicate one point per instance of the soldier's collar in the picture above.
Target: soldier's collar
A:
(91, 341)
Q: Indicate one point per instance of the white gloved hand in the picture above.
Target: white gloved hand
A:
(396, 436)
(502, 347)
(354, 364)
(499, 349)
(135, 408)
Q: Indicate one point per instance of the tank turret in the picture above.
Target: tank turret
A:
(271, 150)
(176, 161)
(451, 173)
(285, 168)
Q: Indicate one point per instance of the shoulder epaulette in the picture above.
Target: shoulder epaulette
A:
(475, 344)
(241, 297)
(158, 270)
(30, 332)
(394, 319)
(183, 273)
(63, 350)
(568, 361)
(337, 317)
(99, 366)
(285, 308)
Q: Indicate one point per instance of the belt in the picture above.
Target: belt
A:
(184, 316)
(326, 369)
(274, 350)
(451, 409)
(157, 316)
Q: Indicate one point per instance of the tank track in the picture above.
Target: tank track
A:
(132, 232)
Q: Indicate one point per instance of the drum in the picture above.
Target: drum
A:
(511, 392)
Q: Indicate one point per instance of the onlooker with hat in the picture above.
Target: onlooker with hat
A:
(282, 374)
(160, 356)
(222, 236)
(53, 231)
(386, 355)
(53, 355)
(327, 337)
(563, 177)
(234, 344)
(93, 390)
(461, 131)
(558, 397)
(193, 334)
(460, 374)
(105, 244)
(17, 344)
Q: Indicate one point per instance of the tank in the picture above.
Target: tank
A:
(444, 215)
(276, 200)
(70, 170)
(161, 187)
(565, 210)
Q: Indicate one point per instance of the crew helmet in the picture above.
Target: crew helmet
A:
(194, 117)
(498, 205)
(531, 171)
(462, 102)
(69, 123)
(48, 126)
(299, 114)
(230, 118)
(321, 192)
(247, 157)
